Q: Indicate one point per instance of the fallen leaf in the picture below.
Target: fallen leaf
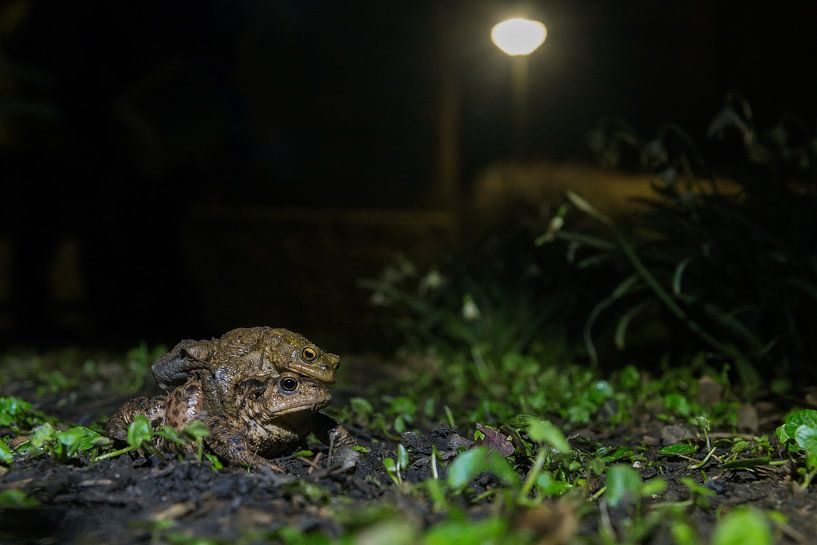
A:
(495, 440)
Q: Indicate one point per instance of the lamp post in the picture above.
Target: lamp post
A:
(518, 38)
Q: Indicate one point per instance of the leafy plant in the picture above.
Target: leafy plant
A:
(19, 416)
(139, 433)
(396, 467)
(67, 444)
(799, 433)
(730, 262)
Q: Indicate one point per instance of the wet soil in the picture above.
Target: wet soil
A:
(133, 499)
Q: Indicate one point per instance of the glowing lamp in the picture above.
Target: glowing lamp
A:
(517, 37)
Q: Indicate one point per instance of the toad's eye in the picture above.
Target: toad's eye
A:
(289, 384)
(309, 353)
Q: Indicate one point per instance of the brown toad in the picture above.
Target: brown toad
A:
(273, 416)
(244, 353)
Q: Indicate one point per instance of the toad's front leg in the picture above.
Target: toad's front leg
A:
(175, 367)
(228, 442)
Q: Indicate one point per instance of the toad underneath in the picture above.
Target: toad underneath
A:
(273, 416)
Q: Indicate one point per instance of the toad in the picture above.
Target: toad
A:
(274, 415)
(244, 353)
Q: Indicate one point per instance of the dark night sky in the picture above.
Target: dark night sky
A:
(118, 115)
(247, 100)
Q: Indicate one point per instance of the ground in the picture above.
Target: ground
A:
(144, 498)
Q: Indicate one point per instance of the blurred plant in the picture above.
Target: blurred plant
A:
(624, 490)
(733, 262)
(624, 486)
(17, 414)
(479, 311)
(138, 362)
(479, 331)
(698, 495)
(13, 498)
(743, 526)
(6, 454)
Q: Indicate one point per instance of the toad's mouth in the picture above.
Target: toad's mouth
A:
(320, 371)
(302, 407)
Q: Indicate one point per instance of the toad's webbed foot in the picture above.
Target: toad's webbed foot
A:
(228, 442)
(174, 368)
(340, 441)
(152, 407)
(331, 433)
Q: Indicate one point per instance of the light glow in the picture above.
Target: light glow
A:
(517, 37)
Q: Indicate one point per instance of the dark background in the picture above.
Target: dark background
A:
(136, 138)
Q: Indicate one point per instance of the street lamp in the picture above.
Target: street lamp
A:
(519, 38)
